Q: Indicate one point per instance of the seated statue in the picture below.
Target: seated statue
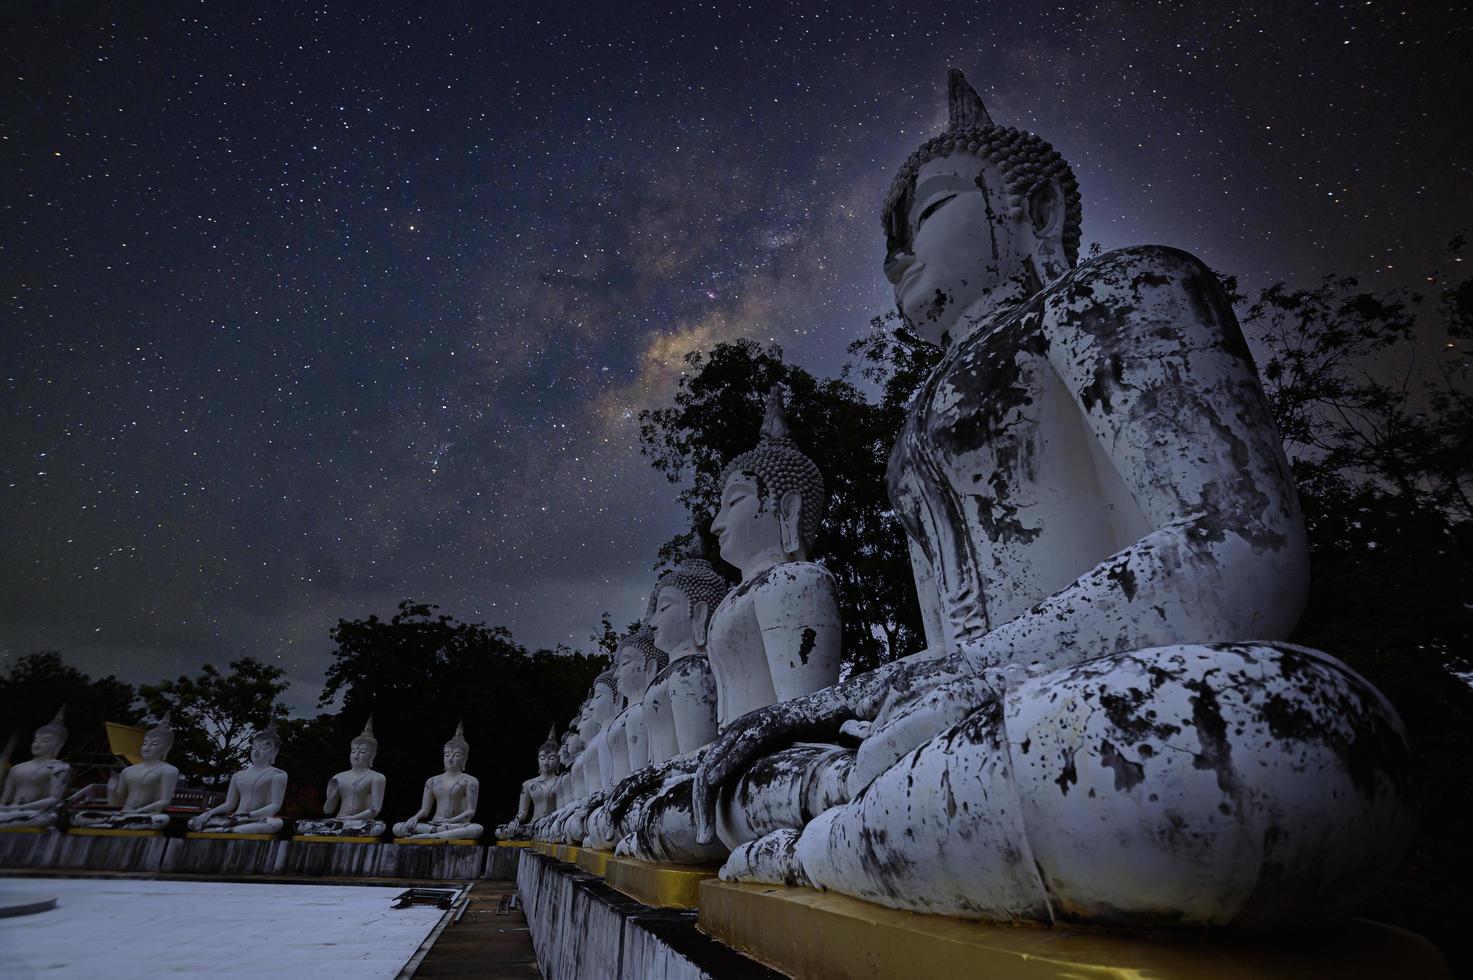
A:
(449, 800)
(599, 710)
(142, 791)
(636, 663)
(1110, 551)
(356, 795)
(255, 793)
(35, 789)
(774, 637)
(569, 785)
(538, 797)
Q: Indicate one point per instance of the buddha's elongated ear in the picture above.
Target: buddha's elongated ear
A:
(700, 618)
(789, 508)
(1044, 207)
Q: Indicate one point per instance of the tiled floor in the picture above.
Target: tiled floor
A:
(130, 928)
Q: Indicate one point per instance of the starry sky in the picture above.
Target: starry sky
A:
(310, 308)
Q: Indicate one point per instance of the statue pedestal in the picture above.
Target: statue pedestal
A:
(583, 929)
(595, 862)
(442, 860)
(27, 847)
(310, 854)
(567, 853)
(205, 852)
(105, 849)
(806, 933)
(501, 860)
(661, 886)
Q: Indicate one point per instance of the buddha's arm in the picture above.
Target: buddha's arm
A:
(232, 800)
(472, 796)
(1159, 369)
(168, 779)
(426, 802)
(332, 799)
(277, 794)
(524, 805)
(926, 595)
(798, 612)
(56, 781)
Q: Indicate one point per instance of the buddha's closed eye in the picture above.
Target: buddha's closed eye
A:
(931, 209)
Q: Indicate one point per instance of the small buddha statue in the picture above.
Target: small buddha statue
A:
(603, 703)
(566, 789)
(449, 800)
(356, 794)
(255, 794)
(142, 791)
(1107, 727)
(538, 793)
(637, 662)
(35, 789)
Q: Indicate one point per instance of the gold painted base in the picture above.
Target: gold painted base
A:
(329, 839)
(23, 830)
(811, 934)
(437, 841)
(113, 832)
(593, 861)
(515, 843)
(225, 835)
(666, 886)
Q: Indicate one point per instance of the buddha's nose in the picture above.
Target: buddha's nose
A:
(896, 263)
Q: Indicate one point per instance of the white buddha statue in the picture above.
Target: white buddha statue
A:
(1109, 551)
(449, 801)
(255, 794)
(568, 788)
(603, 704)
(355, 795)
(35, 789)
(640, 662)
(774, 637)
(142, 791)
(538, 793)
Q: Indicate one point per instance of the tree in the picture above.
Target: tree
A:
(422, 671)
(214, 715)
(716, 414)
(39, 683)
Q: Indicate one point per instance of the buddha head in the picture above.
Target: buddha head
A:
(547, 754)
(603, 697)
(364, 748)
(158, 740)
(50, 738)
(265, 744)
(772, 498)
(685, 598)
(457, 750)
(636, 663)
(571, 743)
(979, 212)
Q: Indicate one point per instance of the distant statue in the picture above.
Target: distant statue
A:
(142, 791)
(449, 801)
(356, 795)
(602, 704)
(1107, 726)
(34, 790)
(255, 794)
(538, 795)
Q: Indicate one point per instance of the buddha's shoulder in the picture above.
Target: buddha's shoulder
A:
(786, 577)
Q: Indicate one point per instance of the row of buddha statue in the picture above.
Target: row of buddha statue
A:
(33, 794)
(1106, 725)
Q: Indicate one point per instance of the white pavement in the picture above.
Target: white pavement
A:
(122, 929)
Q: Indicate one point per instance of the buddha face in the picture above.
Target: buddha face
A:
(46, 745)
(455, 757)
(547, 761)
(631, 672)
(361, 753)
(263, 751)
(671, 621)
(745, 527)
(965, 247)
(155, 746)
(600, 710)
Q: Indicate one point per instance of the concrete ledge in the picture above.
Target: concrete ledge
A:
(234, 854)
(352, 857)
(27, 847)
(806, 934)
(593, 861)
(104, 849)
(584, 930)
(664, 886)
(501, 862)
(465, 861)
(225, 835)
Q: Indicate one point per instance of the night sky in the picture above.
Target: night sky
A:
(309, 311)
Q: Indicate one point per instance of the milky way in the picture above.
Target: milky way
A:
(309, 312)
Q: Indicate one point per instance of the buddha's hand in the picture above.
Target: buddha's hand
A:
(758, 732)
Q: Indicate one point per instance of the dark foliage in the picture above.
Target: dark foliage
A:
(38, 684)
(422, 671)
(214, 715)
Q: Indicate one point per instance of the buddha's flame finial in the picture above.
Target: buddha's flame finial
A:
(60, 718)
(552, 732)
(775, 420)
(368, 726)
(965, 105)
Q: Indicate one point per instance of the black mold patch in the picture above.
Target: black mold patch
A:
(1127, 774)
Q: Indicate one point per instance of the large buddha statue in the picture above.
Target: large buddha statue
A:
(35, 789)
(1108, 727)
(537, 799)
(141, 792)
(449, 802)
(774, 637)
(255, 793)
(355, 795)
